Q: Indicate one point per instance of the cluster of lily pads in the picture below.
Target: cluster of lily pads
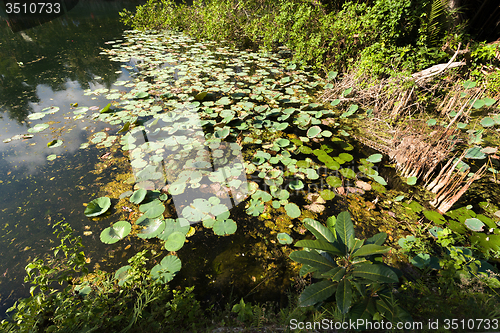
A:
(211, 127)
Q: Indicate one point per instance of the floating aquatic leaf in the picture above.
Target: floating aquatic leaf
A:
(475, 153)
(37, 115)
(469, 84)
(434, 216)
(38, 128)
(284, 238)
(489, 101)
(54, 143)
(166, 270)
(118, 231)
(479, 103)
(175, 241)
(379, 180)
(152, 209)
(348, 173)
(375, 158)
(152, 227)
(313, 132)
(487, 122)
(122, 275)
(296, 184)
(332, 75)
(335, 102)
(411, 180)
(51, 157)
(138, 196)
(224, 227)
(141, 94)
(292, 210)
(431, 122)
(327, 194)
(106, 109)
(334, 181)
(97, 207)
(399, 198)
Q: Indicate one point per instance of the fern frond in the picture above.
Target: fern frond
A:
(436, 22)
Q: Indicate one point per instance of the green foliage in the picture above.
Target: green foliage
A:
(349, 268)
(363, 36)
(95, 301)
(244, 311)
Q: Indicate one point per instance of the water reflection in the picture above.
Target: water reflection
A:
(50, 66)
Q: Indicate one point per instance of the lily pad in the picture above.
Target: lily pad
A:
(54, 143)
(292, 210)
(152, 227)
(313, 132)
(475, 153)
(166, 270)
(175, 241)
(284, 238)
(411, 180)
(122, 275)
(97, 207)
(375, 158)
(38, 128)
(224, 227)
(485, 122)
(141, 94)
(138, 196)
(118, 231)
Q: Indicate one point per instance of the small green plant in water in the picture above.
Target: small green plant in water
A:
(349, 268)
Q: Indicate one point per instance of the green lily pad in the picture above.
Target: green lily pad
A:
(411, 180)
(224, 227)
(334, 181)
(118, 231)
(375, 158)
(487, 122)
(292, 210)
(475, 153)
(54, 143)
(152, 209)
(284, 238)
(313, 132)
(141, 94)
(38, 128)
(166, 270)
(175, 241)
(327, 194)
(97, 207)
(36, 115)
(51, 157)
(296, 184)
(138, 196)
(434, 216)
(152, 227)
(122, 275)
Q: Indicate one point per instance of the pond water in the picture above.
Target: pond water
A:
(232, 139)
(50, 66)
(207, 153)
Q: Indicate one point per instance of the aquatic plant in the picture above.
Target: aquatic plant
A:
(349, 268)
(97, 207)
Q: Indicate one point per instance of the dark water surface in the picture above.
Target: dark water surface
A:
(50, 66)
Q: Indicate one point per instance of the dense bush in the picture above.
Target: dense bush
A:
(377, 38)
